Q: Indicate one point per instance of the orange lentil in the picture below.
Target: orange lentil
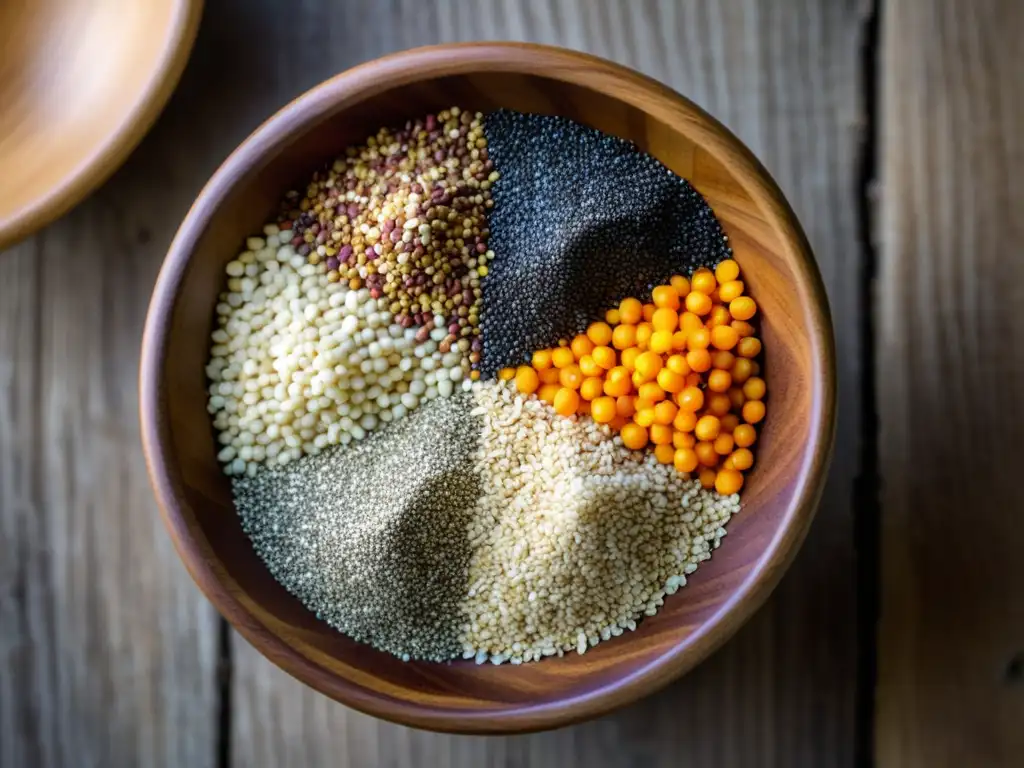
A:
(706, 453)
(547, 393)
(631, 311)
(742, 369)
(707, 428)
(665, 296)
(549, 376)
(642, 404)
(651, 391)
(643, 334)
(703, 280)
(581, 346)
(625, 405)
(699, 360)
(506, 374)
(592, 387)
(688, 321)
(744, 435)
(719, 380)
(562, 356)
(566, 401)
(648, 364)
(683, 439)
(590, 367)
(602, 409)
(685, 460)
(754, 388)
(718, 404)
(670, 381)
(742, 459)
(618, 423)
(679, 341)
(649, 310)
(541, 359)
(665, 412)
(730, 290)
(644, 417)
(584, 408)
(685, 420)
(727, 270)
(680, 284)
(661, 342)
(691, 399)
(665, 319)
(724, 337)
(707, 478)
(600, 334)
(753, 411)
(634, 436)
(748, 347)
(612, 317)
(699, 338)
(623, 336)
(604, 356)
(724, 444)
(722, 359)
(719, 316)
(677, 364)
(664, 453)
(615, 387)
(742, 308)
(698, 303)
(571, 376)
(661, 434)
(728, 482)
(527, 380)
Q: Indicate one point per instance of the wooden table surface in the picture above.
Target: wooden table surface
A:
(897, 132)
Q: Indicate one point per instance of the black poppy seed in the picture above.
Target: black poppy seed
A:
(372, 537)
(580, 221)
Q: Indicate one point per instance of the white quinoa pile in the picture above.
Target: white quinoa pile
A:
(575, 537)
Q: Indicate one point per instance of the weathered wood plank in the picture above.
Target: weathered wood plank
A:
(784, 77)
(950, 375)
(107, 651)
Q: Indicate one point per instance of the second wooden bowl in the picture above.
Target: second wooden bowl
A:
(81, 81)
(781, 493)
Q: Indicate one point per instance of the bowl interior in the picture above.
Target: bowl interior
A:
(79, 82)
(462, 695)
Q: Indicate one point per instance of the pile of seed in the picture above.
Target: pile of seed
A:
(373, 537)
(299, 363)
(405, 216)
(581, 220)
(574, 537)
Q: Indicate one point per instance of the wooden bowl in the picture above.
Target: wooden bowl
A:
(81, 81)
(781, 493)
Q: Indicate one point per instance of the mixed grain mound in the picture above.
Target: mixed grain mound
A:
(580, 221)
(574, 537)
(372, 537)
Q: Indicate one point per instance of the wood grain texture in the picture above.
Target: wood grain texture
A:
(81, 81)
(950, 374)
(782, 692)
(107, 652)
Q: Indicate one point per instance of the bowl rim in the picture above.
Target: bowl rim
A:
(618, 82)
(102, 160)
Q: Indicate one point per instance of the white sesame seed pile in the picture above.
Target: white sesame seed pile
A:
(574, 537)
(299, 363)
(372, 537)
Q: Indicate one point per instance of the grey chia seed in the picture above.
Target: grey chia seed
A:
(373, 537)
(580, 221)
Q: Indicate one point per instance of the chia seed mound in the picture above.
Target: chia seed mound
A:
(580, 221)
(372, 537)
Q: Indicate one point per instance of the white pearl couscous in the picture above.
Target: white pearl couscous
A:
(299, 363)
